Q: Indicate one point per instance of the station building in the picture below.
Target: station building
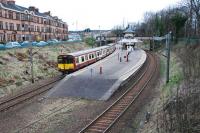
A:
(19, 23)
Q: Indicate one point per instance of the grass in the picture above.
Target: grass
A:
(15, 64)
(176, 76)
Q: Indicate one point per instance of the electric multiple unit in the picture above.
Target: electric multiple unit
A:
(74, 61)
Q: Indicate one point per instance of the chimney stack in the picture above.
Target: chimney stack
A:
(3, 1)
(11, 2)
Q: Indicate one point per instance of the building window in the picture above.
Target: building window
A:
(6, 25)
(1, 25)
(1, 37)
(18, 27)
(10, 14)
(38, 29)
(6, 14)
(11, 25)
(42, 29)
(0, 12)
(26, 27)
(24, 16)
(32, 27)
(18, 16)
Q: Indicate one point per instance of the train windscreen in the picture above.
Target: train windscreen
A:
(65, 59)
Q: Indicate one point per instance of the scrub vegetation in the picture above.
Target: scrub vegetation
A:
(15, 64)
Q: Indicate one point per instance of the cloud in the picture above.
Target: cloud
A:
(92, 13)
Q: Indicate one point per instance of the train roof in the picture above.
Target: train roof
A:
(87, 51)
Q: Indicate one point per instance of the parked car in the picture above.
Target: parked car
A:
(12, 45)
(41, 44)
(27, 44)
(2, 47)
(34, 43)
(52, 41)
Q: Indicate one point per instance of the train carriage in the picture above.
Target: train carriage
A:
(77, 60)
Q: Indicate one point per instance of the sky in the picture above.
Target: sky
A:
(98, 14)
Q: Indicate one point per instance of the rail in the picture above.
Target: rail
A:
(108, 118)
(11, 101)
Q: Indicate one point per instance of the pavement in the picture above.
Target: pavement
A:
(89, 83)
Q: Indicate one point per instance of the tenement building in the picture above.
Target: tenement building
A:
(18, 23)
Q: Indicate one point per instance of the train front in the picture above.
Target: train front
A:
(66, 63)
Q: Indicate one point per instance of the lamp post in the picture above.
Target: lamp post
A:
(100, 34)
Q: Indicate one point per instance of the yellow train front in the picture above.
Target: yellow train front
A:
(66, 63)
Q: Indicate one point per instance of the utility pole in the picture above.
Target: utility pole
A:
(168, 39)
(31, 50)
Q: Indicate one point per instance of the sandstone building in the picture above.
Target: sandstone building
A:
(18, 23)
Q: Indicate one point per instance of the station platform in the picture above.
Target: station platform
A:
(89, 83)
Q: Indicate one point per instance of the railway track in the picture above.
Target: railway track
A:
(108, 118)
(27, 94)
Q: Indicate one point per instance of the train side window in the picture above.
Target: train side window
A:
(86, 57)
(97, 53)
(82, 58)
(77, 60)
(92, 55)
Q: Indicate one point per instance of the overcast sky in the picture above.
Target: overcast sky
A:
(97, 14)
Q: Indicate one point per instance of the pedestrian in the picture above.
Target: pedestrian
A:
(147, 115)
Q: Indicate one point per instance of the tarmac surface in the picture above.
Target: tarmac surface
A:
(88, 83)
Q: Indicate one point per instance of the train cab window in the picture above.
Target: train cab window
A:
(69, 59)
(98, 54)
(60, 60)
(82, 58)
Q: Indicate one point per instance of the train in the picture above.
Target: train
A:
(71, 62)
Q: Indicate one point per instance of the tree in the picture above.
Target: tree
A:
(118, 31)
(178, 20)
(90, 41)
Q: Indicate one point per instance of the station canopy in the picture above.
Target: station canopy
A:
(135, 40)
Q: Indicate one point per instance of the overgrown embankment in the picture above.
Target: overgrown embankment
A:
(15, 65)
(181, 107)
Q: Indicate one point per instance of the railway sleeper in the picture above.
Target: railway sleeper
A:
(108, 117)
(100, 127)
(93, 130)
(123, 105)
(111, 115)
(103, 123)
(117, 109)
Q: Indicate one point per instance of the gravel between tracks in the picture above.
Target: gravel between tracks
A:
(70, 119)
(133, 120)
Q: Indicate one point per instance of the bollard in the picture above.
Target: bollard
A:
(91, 71)
(100, 72)
(118, 56)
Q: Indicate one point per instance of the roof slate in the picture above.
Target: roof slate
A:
(129, 30)
(21, 9)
